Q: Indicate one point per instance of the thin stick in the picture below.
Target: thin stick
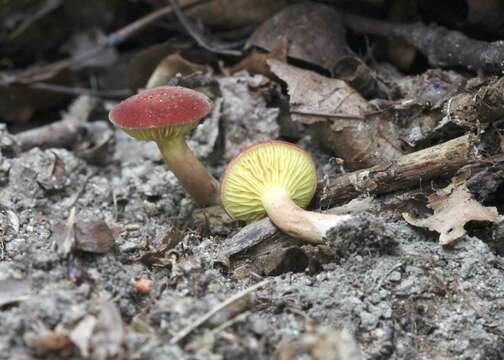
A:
(329, 115)
(442, 47)
(232, 321)
(46, 9)
(441, 160)
(189, 329)
(198, 37)
(112, 94)
(36, 73)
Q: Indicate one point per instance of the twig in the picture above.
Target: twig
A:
(112, 94)
(198, 37)
(40, 73)
(189, 329)
(407, 171)
(48, 7)
(329, 115)
(81, 190)
(64, 244)
(441, 46)
(62, 133)
(230, 322)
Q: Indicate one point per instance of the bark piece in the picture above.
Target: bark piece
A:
(232, 13)
(441, 46)
(409, 170)
(260, 248)
(481, 106)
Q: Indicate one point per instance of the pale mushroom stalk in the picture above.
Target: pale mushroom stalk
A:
(166, 115)
(278, 180)
(295, 221)
(189, 171)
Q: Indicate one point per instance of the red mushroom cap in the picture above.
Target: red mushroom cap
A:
(160, 107)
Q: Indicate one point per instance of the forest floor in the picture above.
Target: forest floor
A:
(103, 255)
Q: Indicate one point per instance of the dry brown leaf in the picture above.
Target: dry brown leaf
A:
(143, 63)
(85, 234)
(18, 101)
(451, 212)
(486, 14)
(161, 245)
(313, 95)
(314, 33)
(338, 112)
(233, 13)
(172, 65)
(256, 62)
(93, 235)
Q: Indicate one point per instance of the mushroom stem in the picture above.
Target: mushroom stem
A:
(296, 222)
(189, 171)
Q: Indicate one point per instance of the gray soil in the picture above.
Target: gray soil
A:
(393, 293)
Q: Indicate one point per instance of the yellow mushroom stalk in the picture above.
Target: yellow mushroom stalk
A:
(276, 179)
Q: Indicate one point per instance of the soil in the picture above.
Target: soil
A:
(404, 297)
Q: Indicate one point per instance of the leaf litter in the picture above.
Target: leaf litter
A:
(143, 273)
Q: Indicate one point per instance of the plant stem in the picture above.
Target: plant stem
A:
(295, 221)
(189, 171)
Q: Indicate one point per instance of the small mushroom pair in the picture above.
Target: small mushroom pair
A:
(272, 178)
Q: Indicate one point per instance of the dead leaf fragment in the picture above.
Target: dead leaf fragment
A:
(451, 212)
(86, 234)
(339, 115)
(82, 333)
(93, 235)
(156, 256)
(486, 15)
(45, 340)
(144, 62)
(172, 65)
(233, 13)
(313, 31)
(256, 62)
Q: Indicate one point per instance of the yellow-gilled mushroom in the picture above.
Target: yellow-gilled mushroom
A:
(277, 179)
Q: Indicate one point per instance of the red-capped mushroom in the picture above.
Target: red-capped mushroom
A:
(165, 115)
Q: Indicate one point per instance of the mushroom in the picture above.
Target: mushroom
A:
(277, 179)
(165, 115)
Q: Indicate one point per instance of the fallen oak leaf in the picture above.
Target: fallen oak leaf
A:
(339, 116)
(451, 212)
